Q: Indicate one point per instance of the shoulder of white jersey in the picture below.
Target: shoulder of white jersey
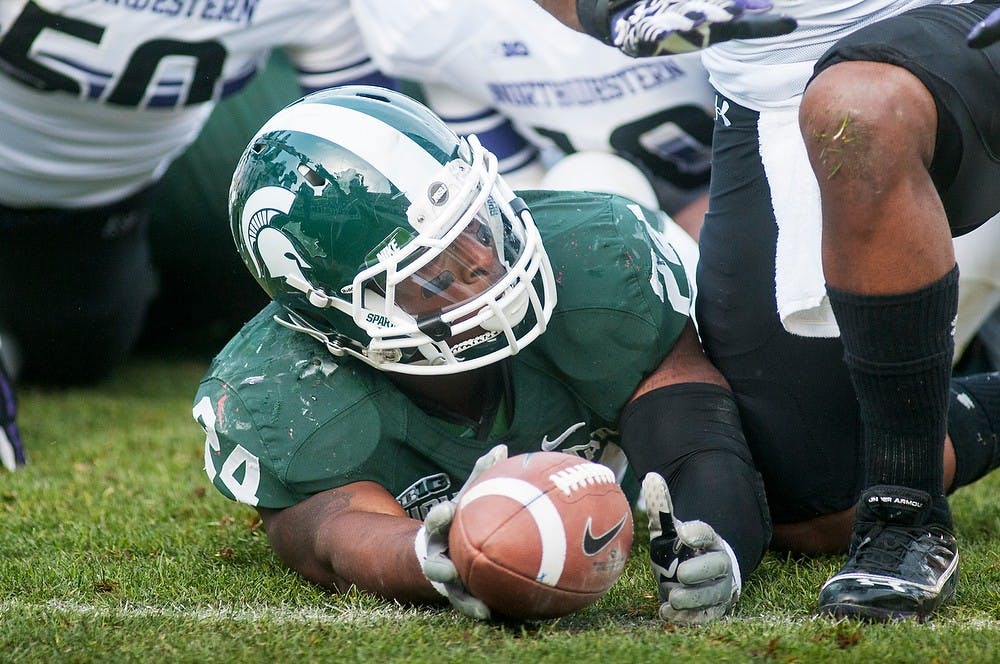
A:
(333, 52)
(389, 28)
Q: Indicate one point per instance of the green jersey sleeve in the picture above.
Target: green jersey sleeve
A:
(623, 295)
(233, 447)
(284, 419)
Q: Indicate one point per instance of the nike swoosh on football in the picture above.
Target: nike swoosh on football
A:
(594, 545)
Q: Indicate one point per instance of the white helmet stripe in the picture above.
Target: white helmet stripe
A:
(407, 165)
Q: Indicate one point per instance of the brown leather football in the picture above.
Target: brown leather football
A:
(541, 535)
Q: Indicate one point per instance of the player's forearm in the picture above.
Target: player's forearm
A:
(379, 557)
(345, 537)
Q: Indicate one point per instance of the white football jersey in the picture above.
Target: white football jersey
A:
(98, 96)
(772, 73)
(495, 66)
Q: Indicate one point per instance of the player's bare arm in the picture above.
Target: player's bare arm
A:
(686, 363)
(354, 535)
(564, 10)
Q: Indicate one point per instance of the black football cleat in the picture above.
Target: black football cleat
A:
(901, 564)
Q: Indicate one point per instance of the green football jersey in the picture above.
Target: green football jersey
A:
(285, 419)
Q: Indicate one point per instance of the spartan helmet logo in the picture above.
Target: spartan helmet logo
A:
(280, 258)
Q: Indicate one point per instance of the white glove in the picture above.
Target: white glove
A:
(696, 573)
(669, 27)
(431, 544)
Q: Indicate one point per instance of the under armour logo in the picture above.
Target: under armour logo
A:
(720, 112)
(119, 224)
(896, 585)
(513, 49)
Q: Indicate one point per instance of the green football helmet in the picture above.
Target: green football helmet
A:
(387, 237)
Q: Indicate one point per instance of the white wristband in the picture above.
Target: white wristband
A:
(420, 549)
(737, 576)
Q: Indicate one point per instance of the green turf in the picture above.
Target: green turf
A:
(115, 547)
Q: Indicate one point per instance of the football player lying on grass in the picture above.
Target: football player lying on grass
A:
(423, 316)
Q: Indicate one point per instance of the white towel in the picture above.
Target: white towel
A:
(800, 288)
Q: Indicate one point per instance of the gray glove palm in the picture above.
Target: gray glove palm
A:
(431, 544)
(696, 573)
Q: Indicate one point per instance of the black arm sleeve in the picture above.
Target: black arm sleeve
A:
(690, 434)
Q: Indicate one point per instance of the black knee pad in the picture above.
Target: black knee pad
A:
(691, 435)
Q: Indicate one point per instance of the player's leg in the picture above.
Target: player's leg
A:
(795, 398)
(684, 427)
(794, 395)
(706, 463)
(76, 285)
(800, 429)
(705, 459)
(872, 129)
(888, 261)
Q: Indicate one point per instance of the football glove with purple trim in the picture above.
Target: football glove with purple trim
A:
(986, 32)
(670, 27)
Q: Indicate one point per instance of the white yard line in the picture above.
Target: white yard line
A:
(365, 617)
(275, 614)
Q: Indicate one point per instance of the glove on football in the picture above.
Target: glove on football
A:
(432, 544)
(986, 32)
(696, 573)
(11, 449)
(670, 27)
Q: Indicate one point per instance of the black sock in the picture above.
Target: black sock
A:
(898, 350)
(974, 426)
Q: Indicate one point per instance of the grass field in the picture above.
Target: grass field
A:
(114, 547)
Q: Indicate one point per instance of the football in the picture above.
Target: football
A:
(541, 535)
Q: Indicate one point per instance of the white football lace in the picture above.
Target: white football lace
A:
(570, 479)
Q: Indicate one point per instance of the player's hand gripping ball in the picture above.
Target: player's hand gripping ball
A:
(541, 535)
